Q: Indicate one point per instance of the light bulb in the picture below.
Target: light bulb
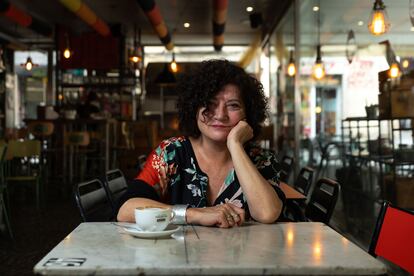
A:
(394, 70)
(29, 64)
(405, 63)
(318, 71)
(134, 59)
(174, 66)
(318, 109)
(66, 53)
(378, 23)
(291, 70)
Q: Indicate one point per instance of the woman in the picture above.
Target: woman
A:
(214, 175)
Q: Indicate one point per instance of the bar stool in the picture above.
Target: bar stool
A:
(42, 131)
(76, 141)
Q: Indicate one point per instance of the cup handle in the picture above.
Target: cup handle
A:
(172, 215)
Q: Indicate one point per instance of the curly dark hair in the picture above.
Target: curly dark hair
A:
(197, 89)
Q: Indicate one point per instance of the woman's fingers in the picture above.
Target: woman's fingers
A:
(234, 214)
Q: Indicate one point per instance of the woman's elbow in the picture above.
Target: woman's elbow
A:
(124, 213)
(269, 217)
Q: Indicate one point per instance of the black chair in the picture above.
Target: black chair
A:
(323, 200)
(93, 201)
(287, 167)
(304, 180)
(116, 185)
(393, 238)
(294, 210)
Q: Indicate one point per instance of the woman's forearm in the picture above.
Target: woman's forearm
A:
(126, 212)
(264, 204)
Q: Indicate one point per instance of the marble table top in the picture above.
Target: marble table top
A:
(252, 249)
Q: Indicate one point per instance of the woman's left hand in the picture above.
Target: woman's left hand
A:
(240, 134)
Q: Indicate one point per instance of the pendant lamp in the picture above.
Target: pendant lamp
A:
(318, 70)
(67, 53)
(378, 23)
(136, 55)
(291, 69)
(173, 64)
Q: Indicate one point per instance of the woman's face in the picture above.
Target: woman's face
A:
(223, 112)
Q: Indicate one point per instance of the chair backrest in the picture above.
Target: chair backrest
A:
(93, 201)
(19, 149)
(393, 237)
(287, 167)
(116, 184)
(304, 180)
(323, 200)
(77, 138)
(41, 129)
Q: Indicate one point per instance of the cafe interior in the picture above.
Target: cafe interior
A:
(88, 90)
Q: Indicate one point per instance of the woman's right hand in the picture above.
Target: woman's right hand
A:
(224, 216)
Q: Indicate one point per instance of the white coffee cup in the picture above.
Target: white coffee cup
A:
(153, 219)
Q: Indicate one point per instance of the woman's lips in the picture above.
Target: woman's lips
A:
(220, 126)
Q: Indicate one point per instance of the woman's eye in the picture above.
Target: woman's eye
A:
(234, 106)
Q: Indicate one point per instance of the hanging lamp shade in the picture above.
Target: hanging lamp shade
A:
(173, 64)
(378, 23)
(136, 54)
(291, 69)
(29, 65)
(67, 53)
(394, 71)
(318, 70)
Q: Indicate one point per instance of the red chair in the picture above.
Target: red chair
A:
(393, 237)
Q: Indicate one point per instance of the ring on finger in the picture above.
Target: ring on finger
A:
(229, 217)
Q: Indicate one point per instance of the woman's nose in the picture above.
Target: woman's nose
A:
(221, 112)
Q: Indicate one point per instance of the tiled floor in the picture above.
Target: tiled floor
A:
(37, 232)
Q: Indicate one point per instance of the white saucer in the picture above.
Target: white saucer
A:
(151, 235)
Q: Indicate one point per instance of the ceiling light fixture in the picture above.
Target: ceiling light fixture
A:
(394, 71)
(378, 20)
(315, 8)
(173, 64)
(67, 52)
(405, 63)
(186, 25)
(136, 55)
(28, 65)
(249, 9)
(291, 69)
(318, 70)
(360, 23)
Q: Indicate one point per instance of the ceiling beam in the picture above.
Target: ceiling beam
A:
(274, 15)
(219, 23)
(87, 15)
(13, 43)
(153, 14)
(24, 19)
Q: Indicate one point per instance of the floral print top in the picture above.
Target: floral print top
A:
(187, 183)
